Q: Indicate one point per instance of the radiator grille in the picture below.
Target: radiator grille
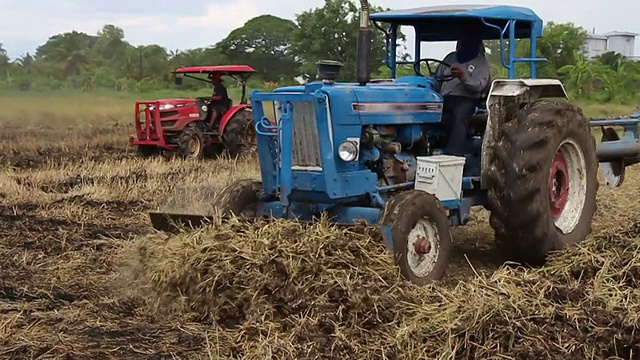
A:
(306, 143)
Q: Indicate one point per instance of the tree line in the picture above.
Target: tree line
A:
(281, 49)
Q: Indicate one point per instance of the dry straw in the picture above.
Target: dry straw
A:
(286, 290)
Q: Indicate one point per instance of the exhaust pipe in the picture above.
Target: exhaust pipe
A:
(364, 44)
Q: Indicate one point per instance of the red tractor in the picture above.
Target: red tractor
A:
(187, 127)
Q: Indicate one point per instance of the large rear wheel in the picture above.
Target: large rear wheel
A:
(239, 135)
(542, 181)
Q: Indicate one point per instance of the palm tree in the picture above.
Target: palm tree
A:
(69, 52)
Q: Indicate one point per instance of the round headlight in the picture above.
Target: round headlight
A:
(348, 151)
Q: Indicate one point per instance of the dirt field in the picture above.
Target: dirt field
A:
(82, 279)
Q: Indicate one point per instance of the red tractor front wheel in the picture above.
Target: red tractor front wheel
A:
(191, 142)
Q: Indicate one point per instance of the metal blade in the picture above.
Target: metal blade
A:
(173, 222)
(613, 171)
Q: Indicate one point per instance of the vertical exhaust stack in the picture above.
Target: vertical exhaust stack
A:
(364, 44)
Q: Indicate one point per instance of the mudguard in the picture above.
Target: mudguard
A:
(229, 114)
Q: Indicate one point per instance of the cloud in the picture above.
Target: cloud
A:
(221, 16)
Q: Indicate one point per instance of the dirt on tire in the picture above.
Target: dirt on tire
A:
(239, 134)
(518, 179)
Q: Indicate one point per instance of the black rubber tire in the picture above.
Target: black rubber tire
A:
(239, 199)
(191, 131)
(518, 178)
(234, 136)
(147, 150)
(402, 212)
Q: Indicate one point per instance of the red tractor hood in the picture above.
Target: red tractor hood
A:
(185, 101)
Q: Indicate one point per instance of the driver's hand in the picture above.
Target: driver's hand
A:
(457, 71)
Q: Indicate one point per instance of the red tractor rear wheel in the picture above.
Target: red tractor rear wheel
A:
(239, 135)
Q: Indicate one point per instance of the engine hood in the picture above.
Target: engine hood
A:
(402, 89)
(405, 100)
(177, 101)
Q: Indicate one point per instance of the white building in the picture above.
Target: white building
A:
(621, 42)
(596, 45)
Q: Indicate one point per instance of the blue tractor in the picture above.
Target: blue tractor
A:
(372, 151)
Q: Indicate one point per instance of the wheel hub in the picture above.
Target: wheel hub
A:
(422, 246)
(194, 145)
(558, 185)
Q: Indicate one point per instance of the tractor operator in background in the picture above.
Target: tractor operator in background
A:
(220, 101)
(470, 70)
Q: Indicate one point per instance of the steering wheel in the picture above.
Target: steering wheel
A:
(443, 78)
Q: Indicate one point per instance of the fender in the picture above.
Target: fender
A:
(504, 100)
(229, 114)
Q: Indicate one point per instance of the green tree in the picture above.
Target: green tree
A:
(561, 44)
(611, 59)
(331, 32)
(579, 75)
(110, 43)
(264, 42)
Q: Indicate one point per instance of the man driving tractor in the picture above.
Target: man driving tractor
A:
(470, 71)
(220, 101)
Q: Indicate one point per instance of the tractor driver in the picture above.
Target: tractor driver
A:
(462, 94)
(220, 99)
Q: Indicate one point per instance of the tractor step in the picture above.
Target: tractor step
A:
(173, 222)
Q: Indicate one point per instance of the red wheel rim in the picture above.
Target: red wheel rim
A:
(558, 185)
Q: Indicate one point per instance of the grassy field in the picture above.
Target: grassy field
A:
(84, 277)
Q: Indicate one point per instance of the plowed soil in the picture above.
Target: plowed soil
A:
(84, 277)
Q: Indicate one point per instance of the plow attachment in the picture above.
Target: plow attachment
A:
(612, 162)
(173, 222)
(616, 153)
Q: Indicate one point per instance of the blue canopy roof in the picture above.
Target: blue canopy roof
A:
(443, 23)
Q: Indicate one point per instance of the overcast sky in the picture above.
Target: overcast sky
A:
(25, 24)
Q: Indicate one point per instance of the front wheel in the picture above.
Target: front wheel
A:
(191, 142)
(420, 234)
(542, 181)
